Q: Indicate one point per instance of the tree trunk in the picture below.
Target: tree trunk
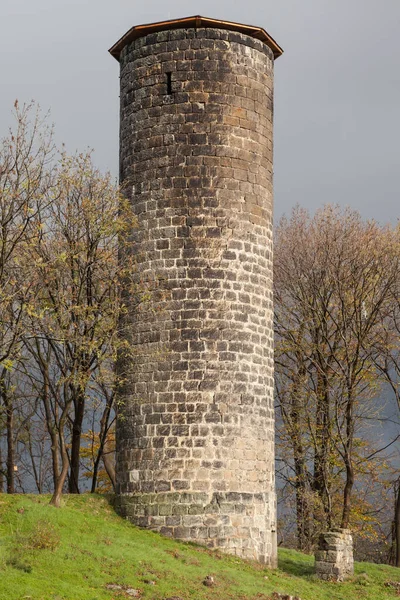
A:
(397, 524)
(104, 430)
(54, 456)
(10, 459)
(347, 493)
(109, 464)
(348, 461)
(10, 445)
(36, 472)
(57, 494)
(73, 484)
(1, 473)
(51, 427)
(321, 453)
(302, 506)
(58, 488)
(96, 469)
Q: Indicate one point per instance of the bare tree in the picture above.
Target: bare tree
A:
(386, 356)
(333, 279)
(26, 178)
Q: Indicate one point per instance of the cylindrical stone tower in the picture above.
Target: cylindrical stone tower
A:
(195, 430)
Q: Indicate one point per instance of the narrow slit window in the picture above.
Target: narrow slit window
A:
(169, 83)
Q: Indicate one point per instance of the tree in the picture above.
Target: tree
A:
(63, 289)
(26, 178)
(73, 332)
(386, 356)
(333, 279)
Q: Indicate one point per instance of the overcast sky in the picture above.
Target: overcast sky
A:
(337, 94)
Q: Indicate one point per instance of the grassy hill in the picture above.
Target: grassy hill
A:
(84, 551)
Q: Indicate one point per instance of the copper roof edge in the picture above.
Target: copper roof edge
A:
(196, 21)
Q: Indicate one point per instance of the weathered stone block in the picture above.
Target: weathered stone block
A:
(334, 556)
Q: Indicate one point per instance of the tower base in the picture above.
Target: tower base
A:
(233, 522)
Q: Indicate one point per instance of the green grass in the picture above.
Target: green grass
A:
(74, 552)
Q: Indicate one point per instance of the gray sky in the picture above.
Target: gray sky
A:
(337, 95)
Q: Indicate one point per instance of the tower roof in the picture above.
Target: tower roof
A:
(195, 22)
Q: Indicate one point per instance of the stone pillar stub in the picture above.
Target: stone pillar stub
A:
(334, 557)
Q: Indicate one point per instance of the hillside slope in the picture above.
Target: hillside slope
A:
(84, 551)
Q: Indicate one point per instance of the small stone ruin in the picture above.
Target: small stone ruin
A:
(334, 557)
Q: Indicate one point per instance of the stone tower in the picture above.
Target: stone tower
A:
(195, 433)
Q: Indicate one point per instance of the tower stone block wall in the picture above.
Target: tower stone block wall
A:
(195, 432)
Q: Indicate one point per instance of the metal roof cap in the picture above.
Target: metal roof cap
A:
(194, 22)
